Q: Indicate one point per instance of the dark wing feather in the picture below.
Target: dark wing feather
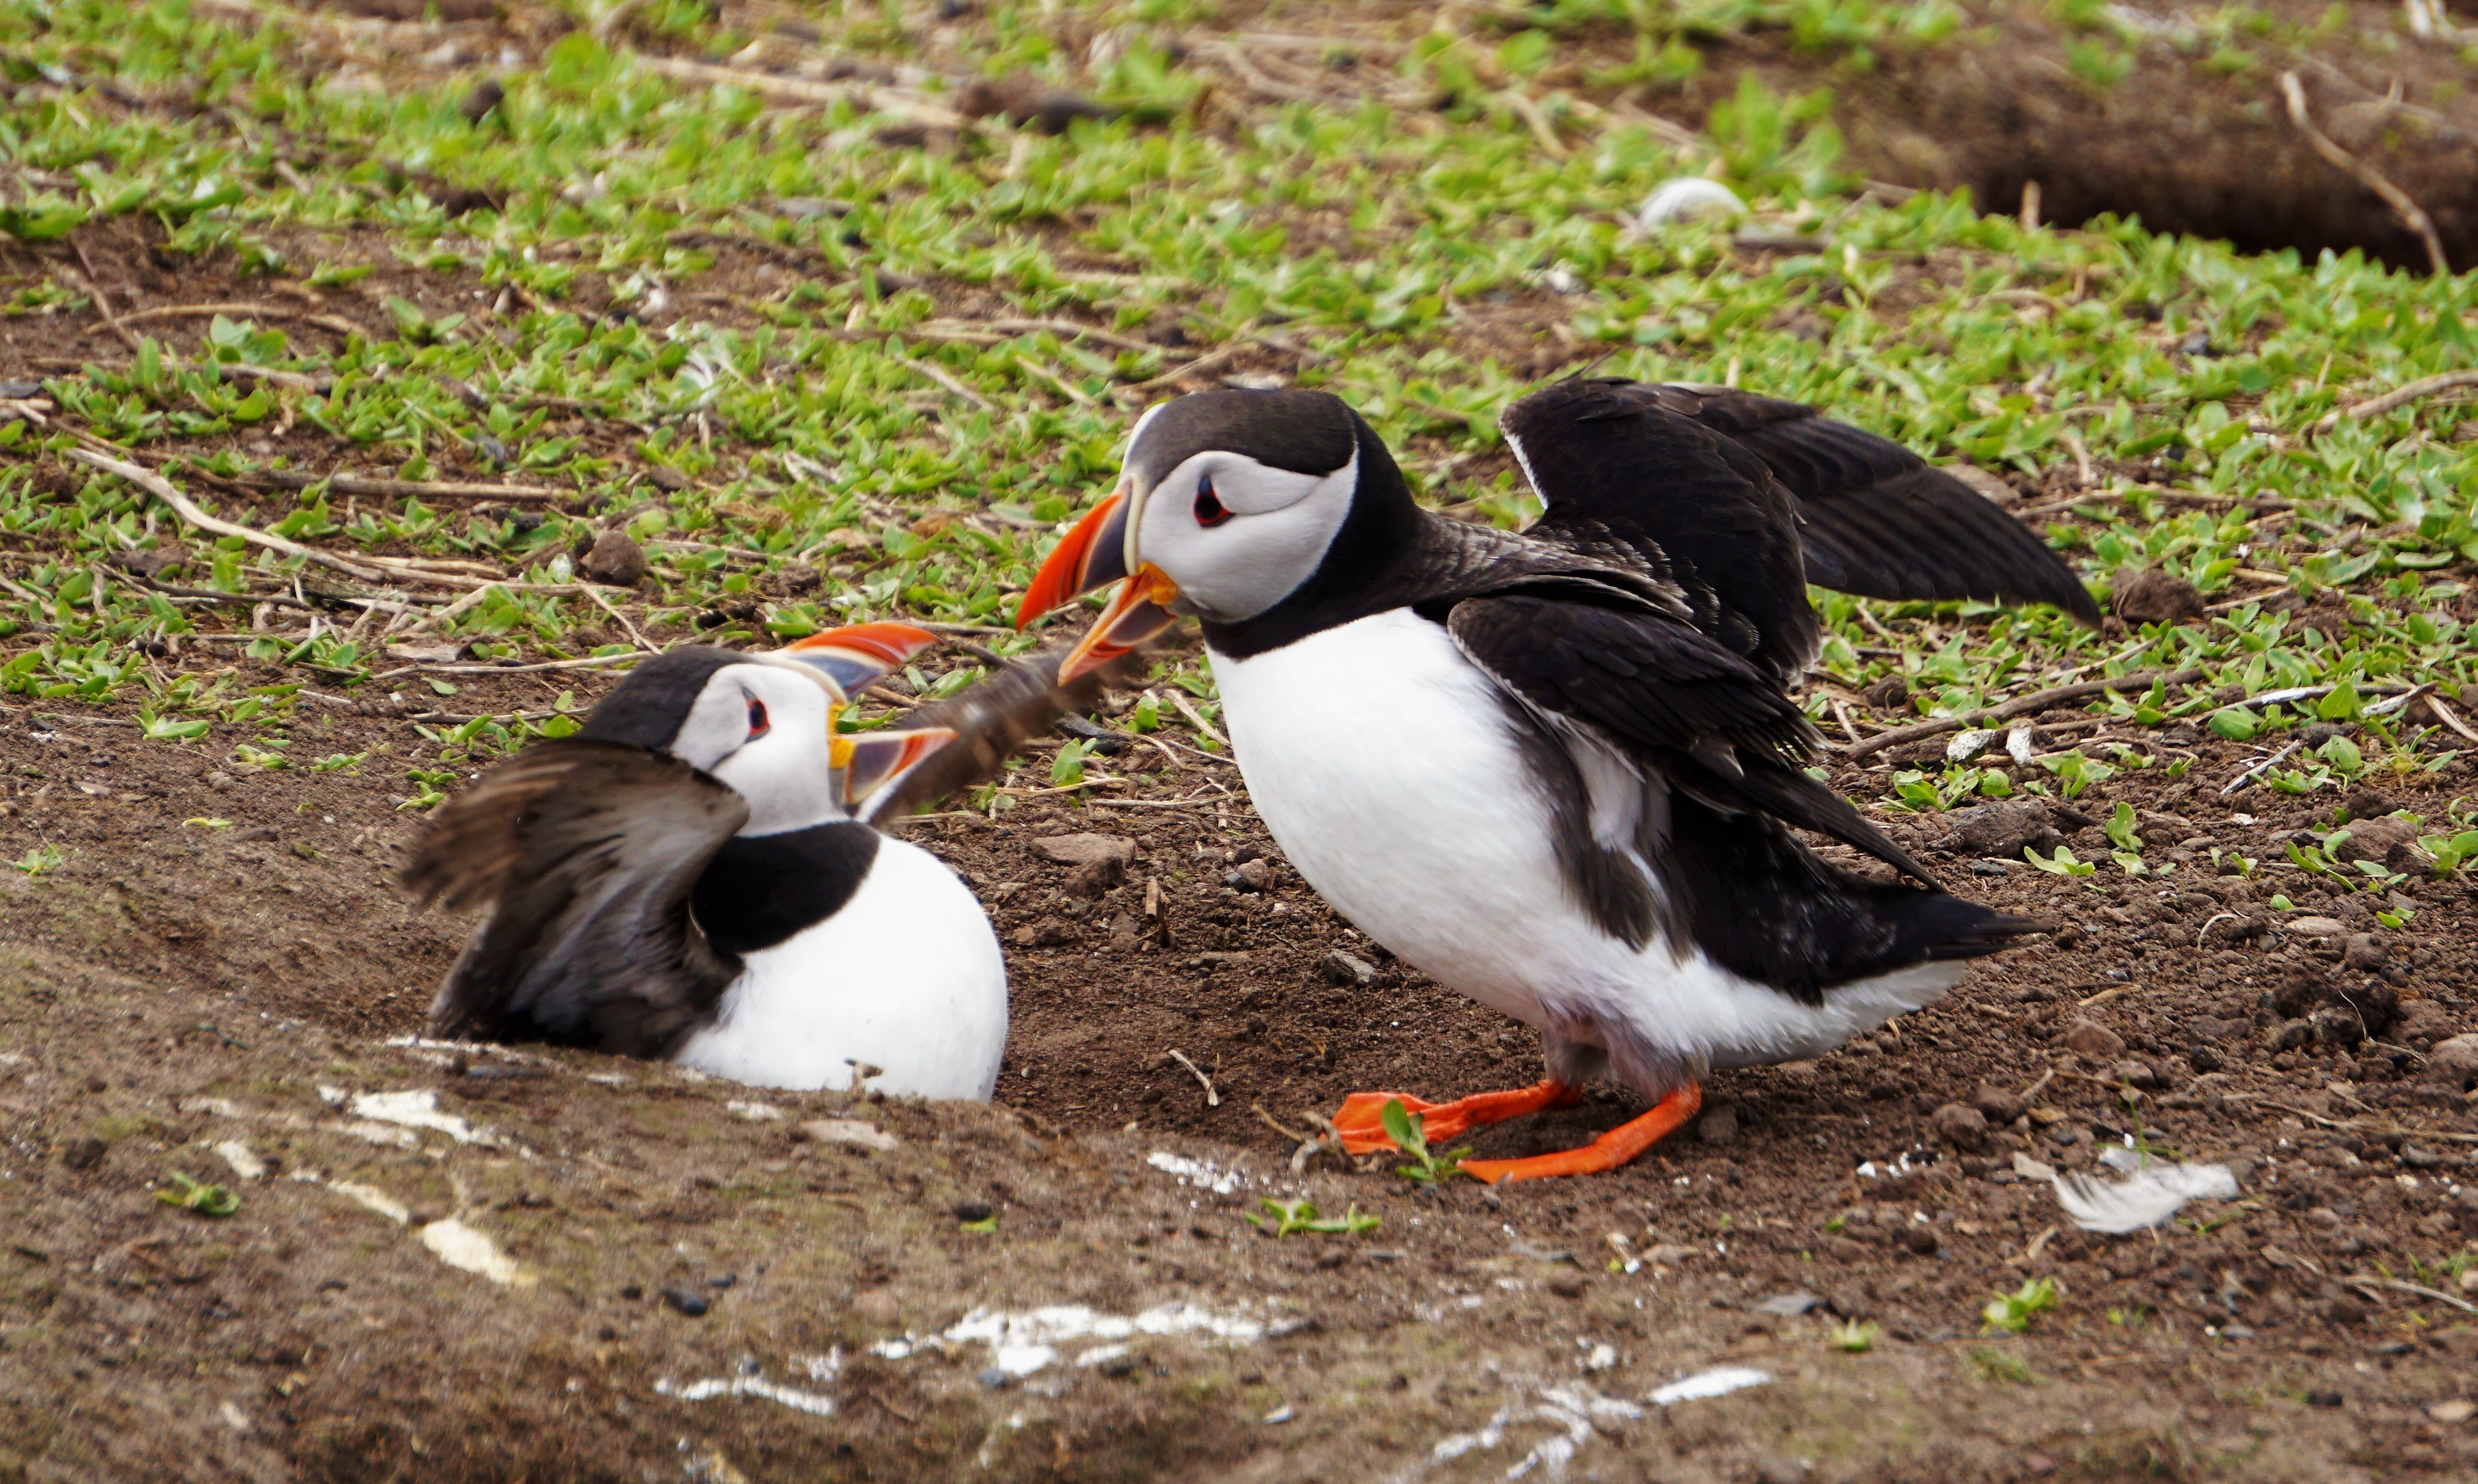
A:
(1881, 521)
(1612, 463)
(585, 852)
(992, 719)
(1660, 690)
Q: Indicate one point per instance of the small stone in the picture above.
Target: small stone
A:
(1085, 850)
(2089, 1038)
(1719, 1126)
(2417, 1156)
(2454, 1061)
(1999, 1105)
(1023, 98)
(2315, 926)
(219, 780)
(2155, 596)
(662, 477)
(2364, 952)
(1959, 1125)
(2453, 1412)
(1347, 969)
(83, 1153)
(1248, 877)
(969, 1211)
(2001, 830)
(2138, 1073)
(1922, 1237)
(615, 561)
(686, 1300)
(1048, 933)
(2373, 839)
(1787, 1306)
(487, 95)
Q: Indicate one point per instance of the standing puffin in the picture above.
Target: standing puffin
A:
(1559, 770)
(694, 876)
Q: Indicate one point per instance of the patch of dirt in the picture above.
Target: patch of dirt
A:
(172, 988)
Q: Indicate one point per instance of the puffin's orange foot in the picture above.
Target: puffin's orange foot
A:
(1606, 1153)
(1362, 1118)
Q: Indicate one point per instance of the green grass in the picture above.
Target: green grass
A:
(1417, 259)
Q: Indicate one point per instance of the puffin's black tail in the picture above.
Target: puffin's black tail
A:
(1762, 905)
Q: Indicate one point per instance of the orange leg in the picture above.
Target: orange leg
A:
(1360, 1120)
(1606, 1153)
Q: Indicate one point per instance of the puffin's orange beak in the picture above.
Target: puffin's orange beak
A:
(1092, 554)
(1095, 553)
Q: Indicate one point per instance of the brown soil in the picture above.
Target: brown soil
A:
(174, 987)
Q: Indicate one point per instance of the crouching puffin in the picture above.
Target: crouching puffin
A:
(1559, 770)
(694, 876)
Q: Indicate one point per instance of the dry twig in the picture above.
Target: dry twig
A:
(2410, 215)
(2019, 706)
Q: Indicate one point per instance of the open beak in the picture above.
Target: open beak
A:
(1095, 553)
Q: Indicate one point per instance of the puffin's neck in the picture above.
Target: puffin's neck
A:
(760, 890)
(1361, 571)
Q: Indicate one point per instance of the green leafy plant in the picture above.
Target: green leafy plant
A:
(1852, 1337)
(212, 1201)
(1284, 1218)
(1409, 1133)
(40, 861)
(2060, 863)
(2011, 1313)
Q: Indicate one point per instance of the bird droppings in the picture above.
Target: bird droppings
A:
(370, 1197)
(413, 1108)
(820, 1369)
(237, 1156)
(1023, 1342)
(1574, 1414)
(461, 1246)
(1205, 1174)
(1719, 1381)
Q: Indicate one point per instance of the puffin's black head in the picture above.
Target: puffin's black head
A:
(764, 724)
(1229, 502)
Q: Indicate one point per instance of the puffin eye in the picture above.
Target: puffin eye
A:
(758, 725)
(1209, 509)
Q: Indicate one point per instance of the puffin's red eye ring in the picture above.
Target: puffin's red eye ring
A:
(758, 725)
(1209, 509)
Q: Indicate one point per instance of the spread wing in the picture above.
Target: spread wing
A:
(1613, 462)
(992, 719)
(585, 853)
(1881, 521)
(1659, 689)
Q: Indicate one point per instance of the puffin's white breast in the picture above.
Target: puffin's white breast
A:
(907, 977)
(1390, 772)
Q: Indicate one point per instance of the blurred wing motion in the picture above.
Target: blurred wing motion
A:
(1877, 520)
(992, 719)
(585, 852)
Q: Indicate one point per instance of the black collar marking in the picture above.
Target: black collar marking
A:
(760, 890)
(648, 707)
(1300, 432)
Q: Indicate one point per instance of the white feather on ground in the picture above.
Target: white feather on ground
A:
(2147, 1197)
